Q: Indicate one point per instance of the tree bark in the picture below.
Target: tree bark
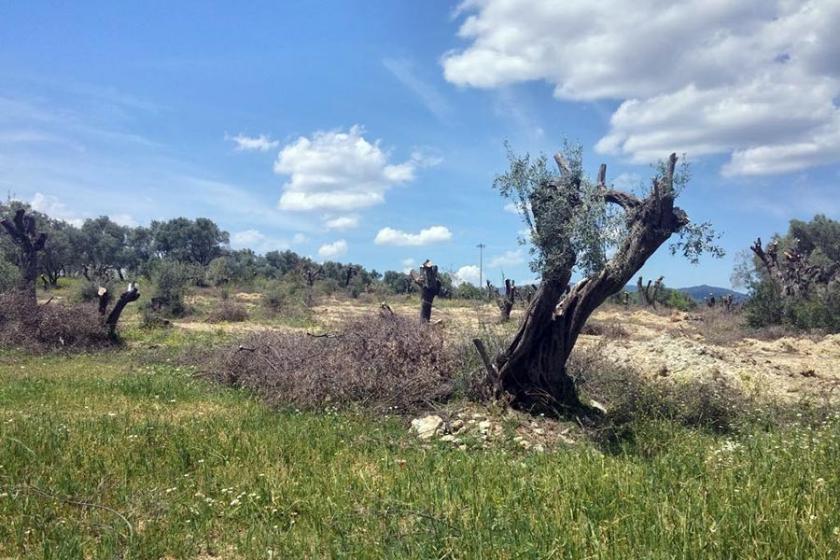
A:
(104, 299)
(533, 367)
(131, 294)
(506, 303)
(21, 228)
(429, 285)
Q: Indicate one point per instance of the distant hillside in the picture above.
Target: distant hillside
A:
(700, 293)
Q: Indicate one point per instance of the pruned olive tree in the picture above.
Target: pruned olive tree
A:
(584, 227)
(21, 228)
(430, 286)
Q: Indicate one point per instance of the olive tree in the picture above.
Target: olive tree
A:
(584, 227)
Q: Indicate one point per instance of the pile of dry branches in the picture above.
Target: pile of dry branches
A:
(50, 326)
(384, 362)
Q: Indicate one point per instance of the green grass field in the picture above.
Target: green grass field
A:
(119, 455)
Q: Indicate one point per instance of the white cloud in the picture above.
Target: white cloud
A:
(431, 98)
(54, 208)
(333, 250)
(337, 171)
(408, 265)
(247, 238)
(434, 234)
(426, 157)
(508, 258)
(261, 143)
(467, 274)
(126, 220)
(627, 181)
(261, 243)
(757, 79)
(342, 222)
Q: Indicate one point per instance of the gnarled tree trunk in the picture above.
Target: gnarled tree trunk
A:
(21, 228)
(131, 294)
(532, 370)
(506, 302)
(793, 275)
(429, 285)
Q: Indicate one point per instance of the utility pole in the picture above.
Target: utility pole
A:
(481, 247)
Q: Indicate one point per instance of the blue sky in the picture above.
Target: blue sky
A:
(370, 131)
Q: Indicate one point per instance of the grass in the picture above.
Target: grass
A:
(120, 455)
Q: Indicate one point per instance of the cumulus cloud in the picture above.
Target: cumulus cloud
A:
(261, 243)
(333, 250)
(342, 222)
(469, 274)
(55, 208)
(391, 236)
(338, 170)
(508, 258)
(758, 80)
(408, 265)
(261, 143)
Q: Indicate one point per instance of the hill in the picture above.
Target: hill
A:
(701, 292)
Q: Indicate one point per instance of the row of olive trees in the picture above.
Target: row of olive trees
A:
(101, 249)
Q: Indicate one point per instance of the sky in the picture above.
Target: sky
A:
(369, 131)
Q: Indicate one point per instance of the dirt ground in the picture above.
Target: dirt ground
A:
(662, 344)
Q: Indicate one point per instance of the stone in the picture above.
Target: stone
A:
(428, 426)
(598, 406)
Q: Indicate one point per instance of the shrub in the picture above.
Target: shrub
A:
(680, 301)
(818, 310)
(151, 319)
(9, 276)
(287, 299)
(607, 329)
(50, 327)
(171, 280)
(87, 292)
(228, 312)
(382, 362)
(219, 272)
(765, 306)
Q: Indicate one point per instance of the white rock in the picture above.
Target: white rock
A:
(428, 426)
(484, 425)
(598, 406)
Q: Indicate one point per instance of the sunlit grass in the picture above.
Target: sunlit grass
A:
(186, 468)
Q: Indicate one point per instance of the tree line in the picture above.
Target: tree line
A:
(101, 250)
